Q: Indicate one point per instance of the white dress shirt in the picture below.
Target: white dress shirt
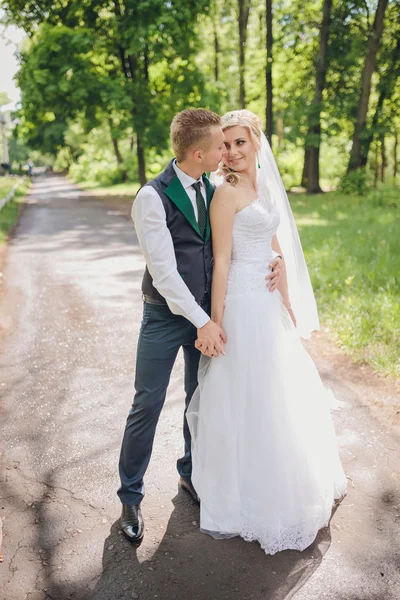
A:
(187, 183)
(156, 243)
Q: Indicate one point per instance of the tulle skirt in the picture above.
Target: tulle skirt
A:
(265, 457)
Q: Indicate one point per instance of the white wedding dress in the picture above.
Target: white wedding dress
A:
(265, 458)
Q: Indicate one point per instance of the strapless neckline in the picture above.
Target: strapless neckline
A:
(247, 206)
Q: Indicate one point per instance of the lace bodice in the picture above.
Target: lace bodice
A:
(253, 230)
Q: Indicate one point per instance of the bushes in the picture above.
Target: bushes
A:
(354, 183)
(104, 172)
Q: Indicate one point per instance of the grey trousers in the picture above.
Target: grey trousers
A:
(161, 336)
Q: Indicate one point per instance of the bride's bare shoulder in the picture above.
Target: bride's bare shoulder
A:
(226, 195)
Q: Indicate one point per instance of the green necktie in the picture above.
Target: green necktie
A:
(201, 208)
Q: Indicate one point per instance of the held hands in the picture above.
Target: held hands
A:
(274, 277)
(210, 340)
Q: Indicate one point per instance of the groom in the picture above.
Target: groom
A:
(171, 216)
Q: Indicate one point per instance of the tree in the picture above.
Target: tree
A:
(138, 39)
(358, 152)
(215, 19)
(313, 138)
(244, 11)
(268, 77)
(388, 71)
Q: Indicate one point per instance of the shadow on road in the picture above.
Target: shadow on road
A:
(190, 565)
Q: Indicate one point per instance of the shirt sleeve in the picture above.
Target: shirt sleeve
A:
(156, 243)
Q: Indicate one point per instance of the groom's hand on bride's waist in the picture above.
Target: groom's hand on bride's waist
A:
(274, 277)
(211, 339)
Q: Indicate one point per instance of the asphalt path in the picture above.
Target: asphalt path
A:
(70, 313)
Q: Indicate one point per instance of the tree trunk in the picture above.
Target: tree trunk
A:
(358, 150)
(119, 158)
(313, 186)
(313, 138)
(383, 158)
(304, 176)
(396, 141)
(279, 129)
(114, 140)
(129, 64)
(141, 161)
(117, 152)
(244, 9)
(376, 164)
(269, 91)
(375, 119)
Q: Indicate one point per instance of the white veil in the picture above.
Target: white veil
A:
(272, 193)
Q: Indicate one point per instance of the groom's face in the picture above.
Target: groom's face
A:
(213, 156)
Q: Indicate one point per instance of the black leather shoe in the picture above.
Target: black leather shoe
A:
(132, 523)
(190, 490)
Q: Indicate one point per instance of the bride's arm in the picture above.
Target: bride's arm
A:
(222, 213)
(283, 284)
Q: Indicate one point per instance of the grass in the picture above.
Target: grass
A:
(352, 248)
(9, 213)
(128, 189)
(6, 184)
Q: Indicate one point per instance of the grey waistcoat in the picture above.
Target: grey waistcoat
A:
(193, 252)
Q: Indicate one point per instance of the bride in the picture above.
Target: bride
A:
(265, 459)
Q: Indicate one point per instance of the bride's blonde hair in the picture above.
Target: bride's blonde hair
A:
(242, 118)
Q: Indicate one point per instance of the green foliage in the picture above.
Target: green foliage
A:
(9, 213)
(4, 99)
(95, 161)
(19, 152)
(6, 184)
(290, 161)
(290, 158)
(64, 74)
(352, 249)
(132, 65)
(385, 196)
(354, 183)
(126, 63)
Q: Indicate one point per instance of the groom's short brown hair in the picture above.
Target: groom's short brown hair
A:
(190, 128)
